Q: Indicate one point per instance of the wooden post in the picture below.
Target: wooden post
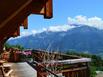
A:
(1, 47)
(25, 23)
(84, 71)
(77, 74)
(73, 73)
(68, 74)
(17, 32)
(40, 72)
(65, 74)
(2, 42)
(88, 70)
(40, 75)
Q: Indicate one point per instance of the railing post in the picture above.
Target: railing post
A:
(40, 72)
(1, 47)
(88, 69)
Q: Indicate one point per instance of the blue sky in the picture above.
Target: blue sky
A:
(62, 9)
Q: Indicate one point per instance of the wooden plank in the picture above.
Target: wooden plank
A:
(69, 71)
(22, 70)
(74, 69)
(48, 9)
(71, 61)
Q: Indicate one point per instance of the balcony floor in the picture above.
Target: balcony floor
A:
(23, 70)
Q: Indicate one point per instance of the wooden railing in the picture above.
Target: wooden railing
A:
(74, 70)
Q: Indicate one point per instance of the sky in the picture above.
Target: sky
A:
(65, 12)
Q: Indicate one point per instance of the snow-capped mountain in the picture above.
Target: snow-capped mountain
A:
(80, 38)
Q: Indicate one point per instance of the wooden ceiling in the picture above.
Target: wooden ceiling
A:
(14, 13)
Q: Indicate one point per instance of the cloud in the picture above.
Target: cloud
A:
(58, 28)
(92, 21)
(34, 31)
(26, 33)
(50, 28)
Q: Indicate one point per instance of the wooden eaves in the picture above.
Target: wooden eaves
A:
(14, 13)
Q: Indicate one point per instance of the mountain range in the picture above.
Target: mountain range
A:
(82, 38)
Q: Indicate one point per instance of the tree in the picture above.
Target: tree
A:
(6, 45)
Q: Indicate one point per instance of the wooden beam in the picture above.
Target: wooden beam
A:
(10, 17)
(17, 32)
(12, 25)
(38, 7)
(38, 11)
(48, 9)
(17, 15)
(44, 8)
(25, 23)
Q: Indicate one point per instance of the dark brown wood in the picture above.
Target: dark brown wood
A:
(48, 9)
(15, 12)
(16, 16)
(10, 9)
(25, 23)
(17, 32)
(40, 5)
(1, 47)
(2, 42)
(12, 25)
(73, 72)
(1, 71)
(88, 70)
